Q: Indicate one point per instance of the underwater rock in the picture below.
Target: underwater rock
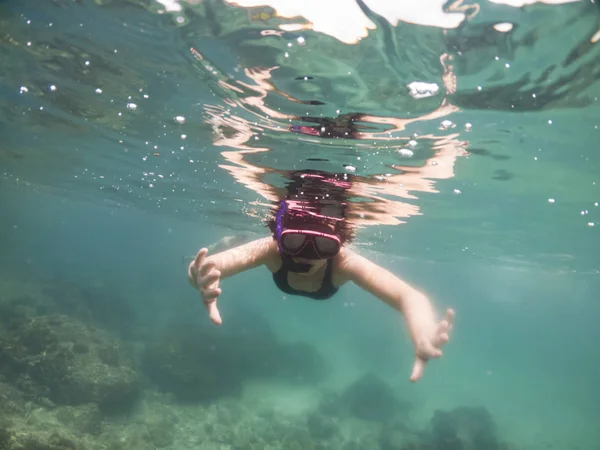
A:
(465, 428)
(14, 310)
(301, 363)
(370, 398)
(93, 305)
(192, 365)
(77, 363)
(321, 426)
(330, 404)
(198, 362)
(364, 443)
(397, 436)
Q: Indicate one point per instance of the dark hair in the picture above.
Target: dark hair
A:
(315, 198)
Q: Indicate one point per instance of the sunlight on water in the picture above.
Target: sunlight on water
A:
(456, 142)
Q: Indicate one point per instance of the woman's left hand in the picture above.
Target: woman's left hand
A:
(429, 345)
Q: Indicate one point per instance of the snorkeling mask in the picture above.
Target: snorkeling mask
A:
(305, 243)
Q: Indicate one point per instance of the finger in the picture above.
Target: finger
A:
(418, 368)
(450, 316)
(205, 268)
(213, 312)
(446, 324)
(200, 257)
(430, 351)
(209, 279)
(210, 295)
(442, 327)
(442, 339)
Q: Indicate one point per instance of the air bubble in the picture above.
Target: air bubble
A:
(420, 89)
(446, 124)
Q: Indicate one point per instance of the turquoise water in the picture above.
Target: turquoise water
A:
(135, 132)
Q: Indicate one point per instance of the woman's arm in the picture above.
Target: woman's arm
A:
(413, 304)
(238, 259)
(205, 273)
(427, 334)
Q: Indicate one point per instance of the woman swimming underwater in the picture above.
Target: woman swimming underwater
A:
(308, 256)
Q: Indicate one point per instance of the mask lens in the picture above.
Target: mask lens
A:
(293, 242)
(326, 246)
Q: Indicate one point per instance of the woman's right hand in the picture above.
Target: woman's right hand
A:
(204, 276)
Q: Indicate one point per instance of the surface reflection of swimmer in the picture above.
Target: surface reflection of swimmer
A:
(308, 256)
(340, 127)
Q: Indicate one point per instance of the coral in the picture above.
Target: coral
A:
(5, 435)
(11, 400)
(29, 438)
(77, 363)
(85, 419)
(161, 435)
(96, 306)
(93, 305)
(14, 310)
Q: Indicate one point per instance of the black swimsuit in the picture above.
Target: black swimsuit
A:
(326, 290)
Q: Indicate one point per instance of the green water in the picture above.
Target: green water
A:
(134, 133)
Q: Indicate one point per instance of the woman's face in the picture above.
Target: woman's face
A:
(304, 241)
(315, 264)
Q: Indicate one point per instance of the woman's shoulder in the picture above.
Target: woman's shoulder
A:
(340, 273)
(272, 257)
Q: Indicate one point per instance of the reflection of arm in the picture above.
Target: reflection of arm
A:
(416, 307)
(244, 257)
(439, 167)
